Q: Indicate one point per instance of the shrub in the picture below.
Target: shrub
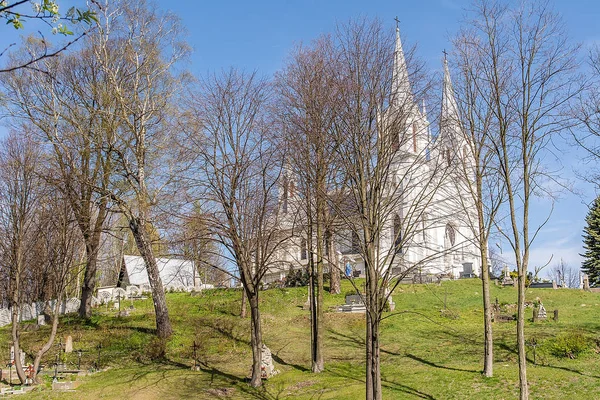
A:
(568, 344)
(296, 278)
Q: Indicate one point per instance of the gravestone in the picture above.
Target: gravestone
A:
(72, 305)
(119, 294)
(4, 317)
(354, 299)
(354, 304)
(554, 285)
(12, 356)
(586, 282)
(26, 313)
(41, 319)
(133, 291)
(104, 297)
(267, 368)
(69, 344)
(542, 314)
(507, 280)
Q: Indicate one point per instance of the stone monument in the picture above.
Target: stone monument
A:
(507, 281)
(69, 344)
(267, 368)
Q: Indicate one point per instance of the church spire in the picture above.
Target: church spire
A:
(401, 94)
(449, 115)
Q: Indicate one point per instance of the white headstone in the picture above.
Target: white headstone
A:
(69, 344)
(41, 320)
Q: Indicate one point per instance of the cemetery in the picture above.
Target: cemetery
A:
(209, 354)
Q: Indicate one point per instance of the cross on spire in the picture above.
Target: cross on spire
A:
(397, 21)
(445, 54)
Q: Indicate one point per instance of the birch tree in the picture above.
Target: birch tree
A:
(531, 72)
(138, 48)
(471, 119)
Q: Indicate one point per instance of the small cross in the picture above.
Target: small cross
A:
(445, 54)
(397, 21)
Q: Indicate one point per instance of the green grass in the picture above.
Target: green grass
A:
(424, 354)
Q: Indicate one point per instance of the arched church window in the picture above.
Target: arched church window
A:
(303, 249)
(397, 234)
(284, 197)
(355, 247)
(414, 136)
(395, 140)
(451, 234)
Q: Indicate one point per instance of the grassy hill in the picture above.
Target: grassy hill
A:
(426, 353)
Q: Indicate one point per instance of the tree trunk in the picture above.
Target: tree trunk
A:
(335, 281)
(89, 278)
(317, 361)
(375, 372)
(488, 362)
(523, 386)
(163, 324)
(243, 311)
(369, 352)
(48, 345)
(255, 340)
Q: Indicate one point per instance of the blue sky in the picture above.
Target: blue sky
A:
(259, 35)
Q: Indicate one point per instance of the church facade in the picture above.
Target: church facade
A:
(431, 228)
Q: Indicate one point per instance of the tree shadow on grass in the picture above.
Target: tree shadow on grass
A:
(355, 341)
(405, 389)
(279, 360)
(349, 373)
(432, 364)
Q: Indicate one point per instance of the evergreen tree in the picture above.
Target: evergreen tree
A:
(591, 243)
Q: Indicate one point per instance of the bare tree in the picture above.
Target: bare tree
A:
(468, 127)
(239, 169)
(71, 110)
(530, 69)
(138, 48)
(565, 275)
(307, 108)
(392, 170)
(39, 242)
(21, 195)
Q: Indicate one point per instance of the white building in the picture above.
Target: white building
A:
(440, 240)
(173, 272)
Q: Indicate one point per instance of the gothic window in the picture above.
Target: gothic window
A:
(395, 141)
(303, 249)
(284, 197)
(291, 189)
(448, 158)
(414, 136)
(355, 243)
(397, 234)
(451, 234)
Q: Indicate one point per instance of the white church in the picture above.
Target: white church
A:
(441, 243)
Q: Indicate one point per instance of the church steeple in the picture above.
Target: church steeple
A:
(450, 117)
(401, 93)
